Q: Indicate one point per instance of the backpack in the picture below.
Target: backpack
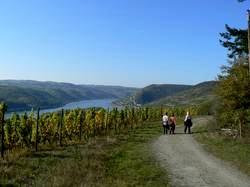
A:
(189, 121)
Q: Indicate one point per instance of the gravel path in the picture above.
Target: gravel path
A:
(189, 165)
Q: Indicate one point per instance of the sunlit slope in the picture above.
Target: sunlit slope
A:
(21, 95)
(176, 95)
(198, 94)
(155, 92)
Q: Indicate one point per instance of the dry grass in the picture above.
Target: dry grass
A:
(232, 150)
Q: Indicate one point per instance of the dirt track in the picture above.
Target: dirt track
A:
(189, 165)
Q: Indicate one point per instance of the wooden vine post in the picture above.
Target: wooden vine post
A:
(3, 109)
(61, 126)
(37, 127)
(106, 121)
(93, 117)
(81, 123)
(248, 15)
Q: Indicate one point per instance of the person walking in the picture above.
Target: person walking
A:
(165, 123)
(172, 124)
(188, 123)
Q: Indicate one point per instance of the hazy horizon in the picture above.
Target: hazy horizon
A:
(124, 43)
(103, 84)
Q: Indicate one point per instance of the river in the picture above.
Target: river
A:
(104, 103)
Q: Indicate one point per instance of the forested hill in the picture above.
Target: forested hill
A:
(196, 95)
(173, 95)
(155, 92)
(25, 94)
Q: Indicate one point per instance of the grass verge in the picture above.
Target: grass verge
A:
(121, 160)
(234, 151)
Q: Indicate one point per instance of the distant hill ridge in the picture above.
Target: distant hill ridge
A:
(176, 95)
(26, 94)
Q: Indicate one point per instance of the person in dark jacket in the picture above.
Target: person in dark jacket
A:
(188, 123)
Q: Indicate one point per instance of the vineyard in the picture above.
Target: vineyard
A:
(69, 126)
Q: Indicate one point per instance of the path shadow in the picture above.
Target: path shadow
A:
(182, 133)
(178, 134)
(49, 155)
(200, 131)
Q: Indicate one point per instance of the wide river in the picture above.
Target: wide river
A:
(104, 103)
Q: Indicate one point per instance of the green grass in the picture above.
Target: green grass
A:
(236, 152)
(121, 160)
(134, 162)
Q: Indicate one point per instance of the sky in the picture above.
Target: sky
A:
(116, 42)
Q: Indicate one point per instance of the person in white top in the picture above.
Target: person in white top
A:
(188, 123)
(165, 123)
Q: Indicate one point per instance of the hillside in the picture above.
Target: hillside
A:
(155, 92)
(21, 95)
(198, 94)
(172, 95)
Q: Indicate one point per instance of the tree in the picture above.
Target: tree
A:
(236, 41)
(234, 94)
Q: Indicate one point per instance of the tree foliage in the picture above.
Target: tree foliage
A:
(234, 85)
(234, 95)
(236, 41)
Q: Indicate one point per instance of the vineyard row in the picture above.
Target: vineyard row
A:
(63, 127)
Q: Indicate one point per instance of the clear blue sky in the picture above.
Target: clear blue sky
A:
(115, 42)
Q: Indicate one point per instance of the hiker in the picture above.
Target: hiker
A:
(165, 123)
(172, 124)
(188, 123)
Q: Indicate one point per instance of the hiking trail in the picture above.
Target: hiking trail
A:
(188, 164)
